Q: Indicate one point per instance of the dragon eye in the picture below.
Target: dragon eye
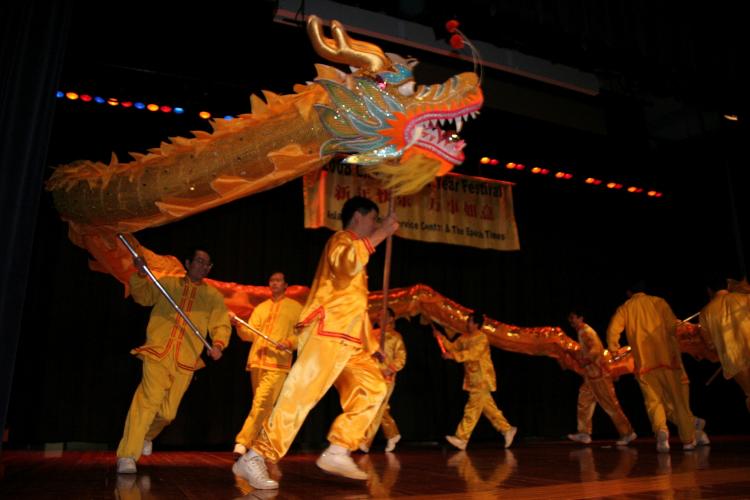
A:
(382, 84)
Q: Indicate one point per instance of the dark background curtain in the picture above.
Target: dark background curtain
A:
(580, 247)
(32, 46)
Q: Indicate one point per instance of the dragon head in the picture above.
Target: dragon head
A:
(380, 118)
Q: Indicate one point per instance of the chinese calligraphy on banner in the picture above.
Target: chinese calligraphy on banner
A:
(455, 209)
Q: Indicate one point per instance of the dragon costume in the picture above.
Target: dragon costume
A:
(376, 117)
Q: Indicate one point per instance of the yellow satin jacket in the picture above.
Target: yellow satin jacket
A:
(473, 350)
(276, 319)
(167, 333)
(649, 325)
(727, 320)
(336, 307)
(395, 351)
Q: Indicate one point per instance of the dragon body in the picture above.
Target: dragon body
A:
(375, 116)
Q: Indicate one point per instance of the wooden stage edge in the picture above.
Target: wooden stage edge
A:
(548, 469)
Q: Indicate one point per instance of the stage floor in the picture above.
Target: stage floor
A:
(548, 469)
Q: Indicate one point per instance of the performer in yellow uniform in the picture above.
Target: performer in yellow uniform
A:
(597, 386)
(649, 324)
(172, 351)
(726, 318)
(267, 364)
(473, 350)
(335, 348)
(395, 359)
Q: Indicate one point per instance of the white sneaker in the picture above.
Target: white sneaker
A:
(458, 443)
(364, 448)
(391, 444)
(148, 448)
(581, 437)
(690, 446)
(126, 465)
(253, 468)
(662, 441)
(340, 464)
(509, 435)
(625, 440)
(239, 449)
(702, 438)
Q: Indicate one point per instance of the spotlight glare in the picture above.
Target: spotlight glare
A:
(510, 165)
(494, 161)
(205, 115)
(484, 160)
(535, 170)
(179, 111)
(71, 95)
(86, 98)
(59, 94)
(139, 105)
(229, 117)
(165, 109)
(153, 107)
(99, 100)
(520, 166)
(112, 101)
(126, 104)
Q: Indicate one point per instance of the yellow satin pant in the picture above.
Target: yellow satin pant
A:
(321, 364)
(154, 404)
(383, 419)
(480, 403)
(602, 391)
(266, 385)
(666, 395)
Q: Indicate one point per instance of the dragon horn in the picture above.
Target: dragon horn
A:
(343, 49)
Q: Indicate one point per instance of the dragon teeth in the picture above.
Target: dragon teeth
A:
(459, 124)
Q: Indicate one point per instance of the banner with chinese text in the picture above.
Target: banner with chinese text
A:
(455, 209)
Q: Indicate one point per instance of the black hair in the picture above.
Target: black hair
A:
(478, 318)
(190, 252)
(716, 282)
(356, 204)
(277, 272)
(638, 286)
(577, 311)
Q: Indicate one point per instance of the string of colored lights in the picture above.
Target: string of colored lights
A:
(115, 102)
(485, 160)
(140, 105)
